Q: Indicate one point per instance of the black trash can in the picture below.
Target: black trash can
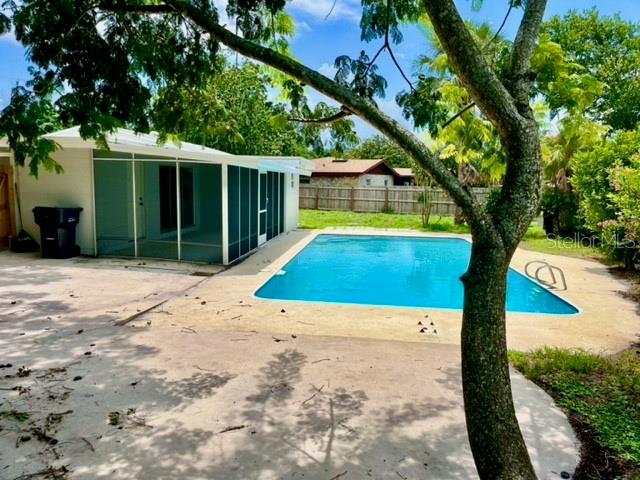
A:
(58, 231)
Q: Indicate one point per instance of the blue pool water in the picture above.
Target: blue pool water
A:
(395, 271)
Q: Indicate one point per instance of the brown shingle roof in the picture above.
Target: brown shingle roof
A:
(347, 167)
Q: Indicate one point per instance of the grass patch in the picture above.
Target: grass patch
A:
(601, 396)
(535, 239)
(318, 219)
(15, 415)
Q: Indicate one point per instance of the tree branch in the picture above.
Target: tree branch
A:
(393, 57)
(364, 108)
(523, 48)
(504, 22)
(343, 113)
(331, 10)
(387, 46)
(458, 115)
(159, 8)
(484, 86)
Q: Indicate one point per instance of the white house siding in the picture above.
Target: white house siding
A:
(292, 199)
(73, 188)
(370, 180)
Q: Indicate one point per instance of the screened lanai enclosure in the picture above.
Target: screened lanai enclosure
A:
(173, 209)
(176, 202)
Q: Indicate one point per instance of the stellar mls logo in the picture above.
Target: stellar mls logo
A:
(607, 239)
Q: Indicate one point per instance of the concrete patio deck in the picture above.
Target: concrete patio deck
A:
(607, 321)
(216, 384)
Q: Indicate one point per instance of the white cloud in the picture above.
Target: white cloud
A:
(327, 70)
(302, 27)
(10, 38)
(319, 9)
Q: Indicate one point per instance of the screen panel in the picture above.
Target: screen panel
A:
(282, 202)
(253, 194)
(233, 189)
(245, 210)
(114, 208)
(270, 204)
(201, 207)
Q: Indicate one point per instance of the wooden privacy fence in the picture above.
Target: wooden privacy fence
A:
(380, 199)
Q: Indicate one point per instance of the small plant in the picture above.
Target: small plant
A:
(23, 372)
(114, 418)
(15, 415)
(387, 209)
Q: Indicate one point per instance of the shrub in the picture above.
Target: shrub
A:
(561, 212)
(608, 182)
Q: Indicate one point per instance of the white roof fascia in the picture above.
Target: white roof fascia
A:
(126, 141)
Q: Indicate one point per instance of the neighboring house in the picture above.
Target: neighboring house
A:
(173, 201)
(405, 177)
(358, 173)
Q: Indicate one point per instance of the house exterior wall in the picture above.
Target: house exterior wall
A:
(375, 180)
(292, 199)
(335, 181)
(73, 188)
(364, 180)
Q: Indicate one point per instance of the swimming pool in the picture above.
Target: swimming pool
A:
(415, 272)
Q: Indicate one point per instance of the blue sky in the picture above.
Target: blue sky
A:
(319, 40)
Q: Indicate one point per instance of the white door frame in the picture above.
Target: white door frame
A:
(262, 238)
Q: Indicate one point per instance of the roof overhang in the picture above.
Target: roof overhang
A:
(126, 141)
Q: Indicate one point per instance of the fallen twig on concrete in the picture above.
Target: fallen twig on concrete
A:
(88, 443)
(339, 475)
(49, 472)
(318, 390)
(130, 318)
(322, 360)
(231, 429)
(306, 323)
(203, 369)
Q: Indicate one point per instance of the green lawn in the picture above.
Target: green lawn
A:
(601, 396)
(535, 239)
(316, 219)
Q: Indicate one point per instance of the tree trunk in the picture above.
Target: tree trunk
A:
(496, 441)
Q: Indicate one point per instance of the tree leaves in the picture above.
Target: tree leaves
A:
(360, 75)
(565, 85)
(594, 175)
(608, 48)
(381, 147)
(232, 113)
(5, 24)
(425, 105)
(384, 18)
(27, 118)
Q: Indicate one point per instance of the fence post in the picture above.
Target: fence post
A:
(386, 199)
(353, 199)
(317, 197)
